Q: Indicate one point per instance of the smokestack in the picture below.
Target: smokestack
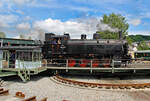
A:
(120, 35)
(83, 36)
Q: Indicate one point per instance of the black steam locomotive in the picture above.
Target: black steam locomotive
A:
(80, 52)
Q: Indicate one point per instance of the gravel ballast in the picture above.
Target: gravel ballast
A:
(46, 87)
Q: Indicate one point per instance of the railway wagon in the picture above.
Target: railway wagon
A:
(60, 49)
(142, 56)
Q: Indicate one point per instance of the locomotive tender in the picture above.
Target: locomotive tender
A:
(80, 52)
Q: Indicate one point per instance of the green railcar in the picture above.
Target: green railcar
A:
(142, 55)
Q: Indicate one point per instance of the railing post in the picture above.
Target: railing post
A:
(134, 71)
(91, 67)
(127, 63)
(112, 66)
(2, 43)
(46, 63)
(66, 65)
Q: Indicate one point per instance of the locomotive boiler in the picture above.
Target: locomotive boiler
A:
(81, 52)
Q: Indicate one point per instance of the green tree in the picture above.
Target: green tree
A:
(29, 38)
(130, 40)
(2, 35)
(22, 36)
(138, 38)
(114, 21)
(143, 46)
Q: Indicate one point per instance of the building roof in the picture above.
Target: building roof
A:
(143, 51)
(20, 48)
(19, 41)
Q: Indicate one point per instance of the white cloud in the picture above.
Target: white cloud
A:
(142, 32)
(17, 37)
(83, 9)
(145, 15)
(75, 28)
(135, 22)
(57, 5)
(5, 20)
(26, 18)
(20, 2)
(105, 27)
(1, 4)
(97, 2)
(23, 26)
(8, 18)
(19, 12)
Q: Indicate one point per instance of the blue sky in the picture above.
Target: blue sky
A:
(34, 17)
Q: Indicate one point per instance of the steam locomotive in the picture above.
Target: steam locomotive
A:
(80, 52)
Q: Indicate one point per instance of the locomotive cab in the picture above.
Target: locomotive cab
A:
(54, 45)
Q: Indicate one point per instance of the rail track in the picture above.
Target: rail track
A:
(20, 95)
(1, 82)
(100, 86)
